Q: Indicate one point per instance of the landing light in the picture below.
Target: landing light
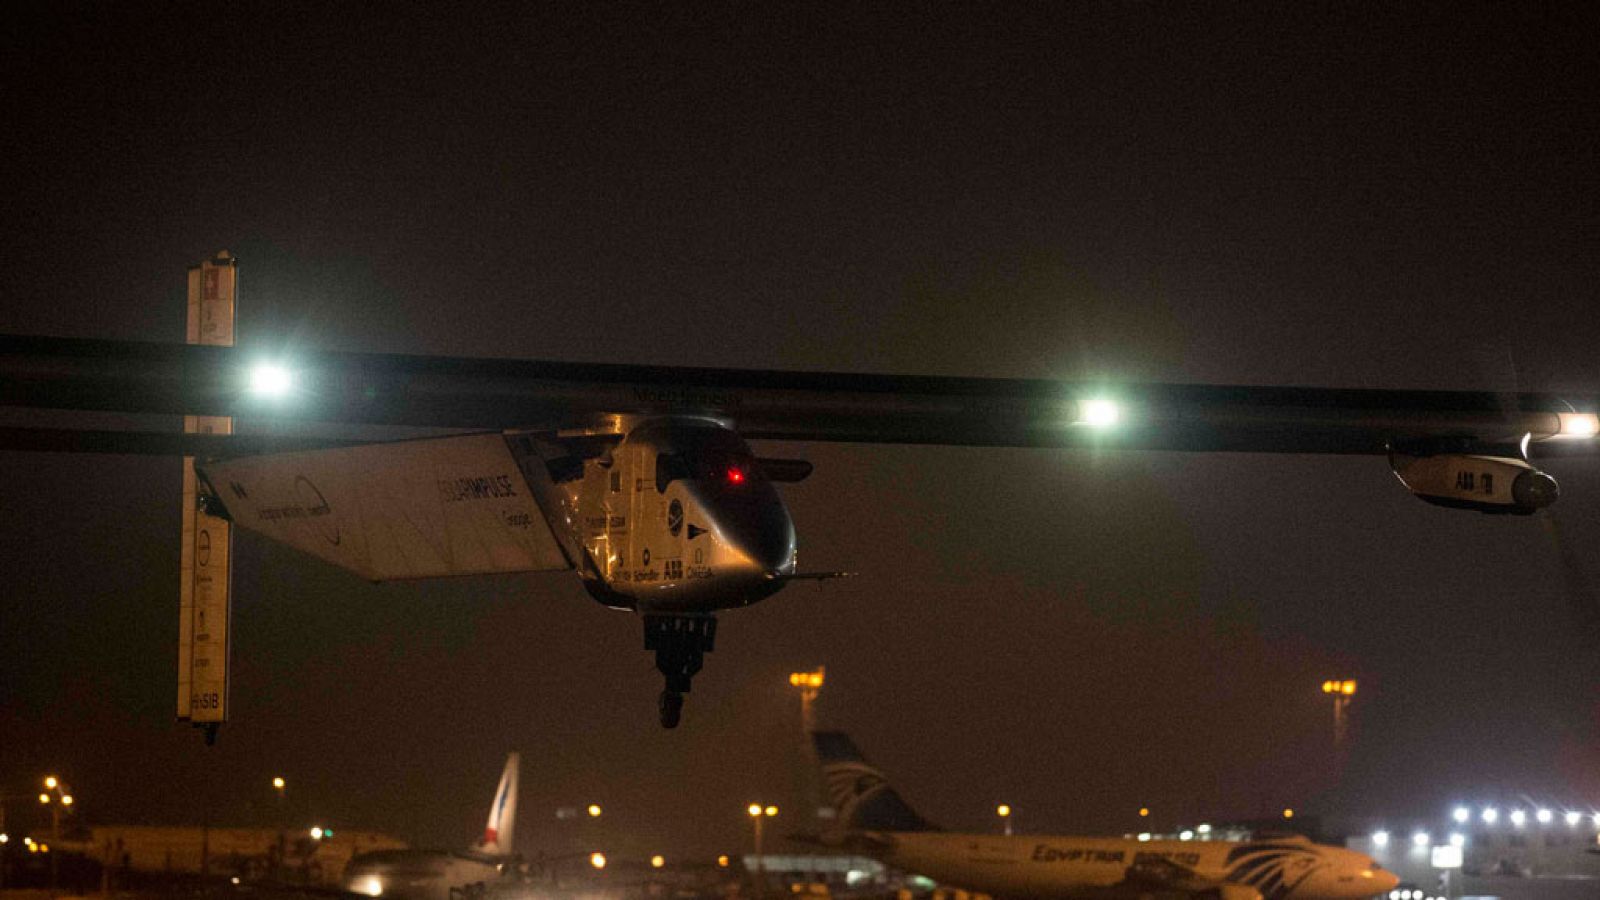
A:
(1461, 814)
(1544, 816)
(270, 380)
(1100, 413)
(1490, 815)
(1580, 425)
(1518, 818)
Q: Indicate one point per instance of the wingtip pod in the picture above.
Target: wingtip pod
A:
(1496, 484)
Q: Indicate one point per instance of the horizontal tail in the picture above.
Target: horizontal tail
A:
(864, 798)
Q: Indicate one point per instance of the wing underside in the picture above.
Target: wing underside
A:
(457, 505)
(501, 395)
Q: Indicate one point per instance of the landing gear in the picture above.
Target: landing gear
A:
(680, 644)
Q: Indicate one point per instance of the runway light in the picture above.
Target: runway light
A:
(1380, 839)
(1288, 813)
(657, 861)
(235, 880)
(1144, 812)
(1205, 828)
(277, 783)
(1490, 815)
(1100, 413)
(1461, 814)
(1144, 835)
(1002, 810)
(50, 782)
(723, 860)
(594, 810)
(316, 833)
(770, 811)
(753, 809)
(372, 887)
(1519, 818)
(598, 860)
(1544, 816)
(4, 838)
(1186, 835)
(44, 798)
(270, 380)
(1573, 818)
(66, 800)
(1421, 839)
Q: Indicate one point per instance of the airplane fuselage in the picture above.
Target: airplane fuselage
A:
(677, 517)
(419, 874)
(1085, 868)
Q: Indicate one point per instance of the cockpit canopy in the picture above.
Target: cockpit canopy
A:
(713, 456)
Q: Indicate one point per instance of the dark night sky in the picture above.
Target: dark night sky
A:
(1327, 194)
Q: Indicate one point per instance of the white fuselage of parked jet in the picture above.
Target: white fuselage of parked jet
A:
(1084, 868)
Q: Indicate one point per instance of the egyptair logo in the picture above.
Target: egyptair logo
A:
(849, 783)
(1274, 869)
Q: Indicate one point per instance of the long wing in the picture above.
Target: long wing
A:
(410, 509)
(508, 394)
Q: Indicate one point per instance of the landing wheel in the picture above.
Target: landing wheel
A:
(671, 708)
(680, 644)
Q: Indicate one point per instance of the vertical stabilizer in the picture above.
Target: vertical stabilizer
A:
(864, 798)
(499, 834)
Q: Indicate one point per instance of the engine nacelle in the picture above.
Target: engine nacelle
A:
(1231, 892)
(1489, 484)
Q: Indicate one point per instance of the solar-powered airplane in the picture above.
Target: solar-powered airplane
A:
(642, 480)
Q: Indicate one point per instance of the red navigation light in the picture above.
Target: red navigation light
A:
(736, 475)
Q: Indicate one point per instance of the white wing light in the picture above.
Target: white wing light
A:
(270, 380)
(1099, 413)
(1579, 425)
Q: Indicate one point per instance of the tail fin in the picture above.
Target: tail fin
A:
(863, 797)
(500, 832)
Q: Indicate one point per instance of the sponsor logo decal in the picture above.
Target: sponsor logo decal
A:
(479, 487)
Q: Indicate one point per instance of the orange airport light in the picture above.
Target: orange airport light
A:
(807, 679)
(723, 860)
(598, 860)
(657, 861)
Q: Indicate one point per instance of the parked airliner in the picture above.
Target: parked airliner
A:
(874, 821)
